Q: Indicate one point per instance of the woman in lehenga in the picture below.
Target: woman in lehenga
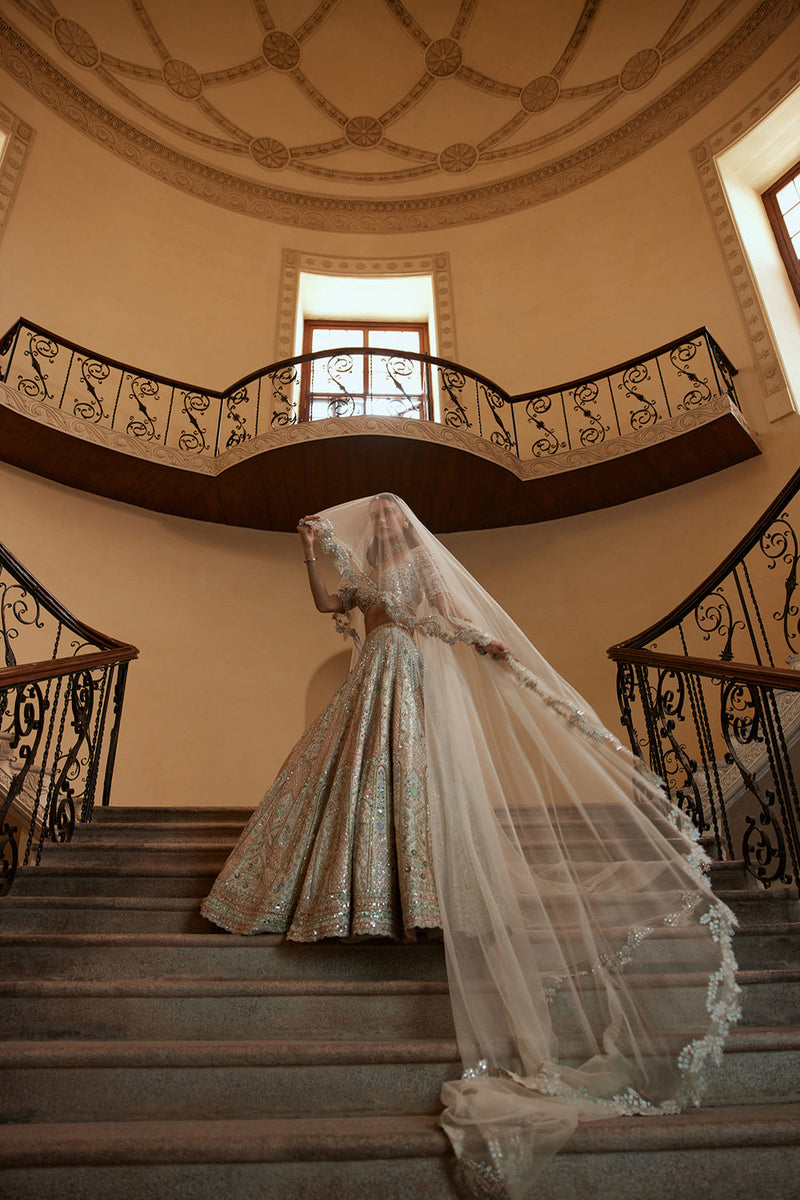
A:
(589, 965)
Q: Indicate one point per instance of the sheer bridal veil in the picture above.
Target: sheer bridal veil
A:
(589, 965)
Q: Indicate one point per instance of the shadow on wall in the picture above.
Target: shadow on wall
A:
(324, 683)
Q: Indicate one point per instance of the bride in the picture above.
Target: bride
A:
(589, 965)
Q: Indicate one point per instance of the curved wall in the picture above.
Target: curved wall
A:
(230, 645)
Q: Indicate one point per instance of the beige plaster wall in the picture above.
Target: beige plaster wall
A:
(234, 658)
(223, 620)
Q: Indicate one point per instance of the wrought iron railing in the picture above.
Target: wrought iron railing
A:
(684, 375)
(710, 698)
(60, 710)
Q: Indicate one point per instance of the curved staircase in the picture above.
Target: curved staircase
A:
(146, 1054)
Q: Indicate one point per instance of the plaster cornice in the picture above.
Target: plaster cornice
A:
(40, 76)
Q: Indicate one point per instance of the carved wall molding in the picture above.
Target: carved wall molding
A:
(765, 355)
(19, 136)
(31, 68)
(293, 262)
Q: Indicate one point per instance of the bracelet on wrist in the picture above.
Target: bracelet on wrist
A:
(308, 560)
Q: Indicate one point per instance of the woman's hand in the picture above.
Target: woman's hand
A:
(306, 534)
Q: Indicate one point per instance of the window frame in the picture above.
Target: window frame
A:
(311, 324)
(778, 226)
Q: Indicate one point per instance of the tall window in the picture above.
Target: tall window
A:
(352, 384)
(782, 202)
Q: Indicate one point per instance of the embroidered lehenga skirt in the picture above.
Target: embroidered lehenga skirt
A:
(340, 845)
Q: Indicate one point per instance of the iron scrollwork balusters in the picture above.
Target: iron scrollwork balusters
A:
(547, 442)
(283, 412)
(239, 432)
(18, 607)
(397, 369)
(24, 732)
(713, 615)
(742, 720)
(742, 751)
(143, 391)
(52, 717)
(93, 373)
(194, 440)
(41, 350)
(453, 383)
(27, 355)
(500, 436)
(724, 367)
(626, 696)
(343, 405)
(71, 766)
(699, 393)
(582, 397)
(632, 381)
(779, 544)
(679, 767)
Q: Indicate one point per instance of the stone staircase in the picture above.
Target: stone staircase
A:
(147, 1055)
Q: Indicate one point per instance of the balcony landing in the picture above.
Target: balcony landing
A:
(452, 479)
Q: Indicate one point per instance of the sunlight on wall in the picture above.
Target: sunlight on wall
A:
(342, 297)
(746, 169)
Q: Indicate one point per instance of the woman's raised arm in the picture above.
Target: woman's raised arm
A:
(323, 599)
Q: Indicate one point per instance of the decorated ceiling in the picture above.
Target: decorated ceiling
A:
(376, 114)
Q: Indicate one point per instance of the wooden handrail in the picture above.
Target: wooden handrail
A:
(774, 677)
(51, 668)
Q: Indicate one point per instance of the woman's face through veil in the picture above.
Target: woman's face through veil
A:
(386, 520)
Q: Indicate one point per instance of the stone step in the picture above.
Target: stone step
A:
(148, 833)
(168, 857)
(732, 876)
(136, 1009)
(204, 856)
(103, 914)
(708, 1152)
(138, 880)
(761, 906)
(23, 913)
(100, 956)
(206, 1008)
(220, 1080)
(103, 955)
(122, 815)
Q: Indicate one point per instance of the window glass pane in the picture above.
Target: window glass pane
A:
(340, 405)
(792, 220)
(796, 244)
(395, 339)
(392, 406)
(342, 374)
(326, 339)
(787, 197)
(347, 384)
